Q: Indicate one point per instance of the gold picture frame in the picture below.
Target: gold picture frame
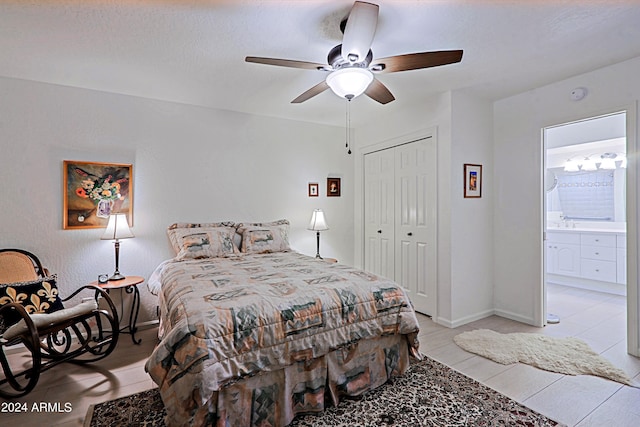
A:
(93, 191)
(472, 181)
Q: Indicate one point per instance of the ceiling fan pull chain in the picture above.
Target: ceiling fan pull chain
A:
(348, 125)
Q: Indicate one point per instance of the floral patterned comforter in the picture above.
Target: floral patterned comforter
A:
(227, 319)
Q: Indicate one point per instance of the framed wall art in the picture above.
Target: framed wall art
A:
(472, 181)
(313, 189)
(333, 187)
(93, 191)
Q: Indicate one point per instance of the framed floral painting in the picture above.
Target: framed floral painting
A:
(93, 191)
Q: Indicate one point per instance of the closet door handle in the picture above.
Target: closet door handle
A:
(379, 231)
(409, 234)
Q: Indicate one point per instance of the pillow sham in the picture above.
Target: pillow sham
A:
(175, 235)
(36, 296)
(203, 242)
(259, 238)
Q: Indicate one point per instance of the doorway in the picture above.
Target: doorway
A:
(585, 223)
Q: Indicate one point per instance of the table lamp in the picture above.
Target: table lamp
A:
(318, 224)
(117, 229)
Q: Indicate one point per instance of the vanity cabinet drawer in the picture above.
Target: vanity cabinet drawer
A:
(598, 240)
(569, 238)
(598, 253)
(598, 270)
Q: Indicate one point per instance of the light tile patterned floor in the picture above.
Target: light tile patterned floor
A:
(581, 401)
(599, 319)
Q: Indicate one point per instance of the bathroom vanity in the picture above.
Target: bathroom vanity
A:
(588, 258)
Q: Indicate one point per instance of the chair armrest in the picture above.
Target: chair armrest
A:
(98, 294)
(25, 318)
(47, 320)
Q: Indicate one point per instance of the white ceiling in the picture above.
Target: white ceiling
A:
(192, 51)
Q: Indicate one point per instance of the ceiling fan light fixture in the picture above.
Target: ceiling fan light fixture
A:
(349, 82)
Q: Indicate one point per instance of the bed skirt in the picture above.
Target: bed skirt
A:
(275, 398)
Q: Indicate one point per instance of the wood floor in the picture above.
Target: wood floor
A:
(581, 401)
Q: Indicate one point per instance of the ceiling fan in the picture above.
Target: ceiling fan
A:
(351, 65)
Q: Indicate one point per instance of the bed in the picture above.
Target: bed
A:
(253, 333)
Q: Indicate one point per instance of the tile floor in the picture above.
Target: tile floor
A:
(599, 319)
(580, 401)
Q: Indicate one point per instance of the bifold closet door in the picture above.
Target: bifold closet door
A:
(400, 218)
(416, 221)
(379, 211)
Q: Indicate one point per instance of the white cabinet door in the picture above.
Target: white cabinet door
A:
(379, 213)
(621, 266)
(415, 200)
(567, 259)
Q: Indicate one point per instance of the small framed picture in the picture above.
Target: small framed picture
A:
(472, 181)
(313, 189)
(333, 187)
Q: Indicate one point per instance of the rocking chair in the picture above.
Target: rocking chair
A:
(32, 315)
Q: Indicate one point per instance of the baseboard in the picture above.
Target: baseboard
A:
(515, 316)
(591, 285)
(464, 320)
(148, 324)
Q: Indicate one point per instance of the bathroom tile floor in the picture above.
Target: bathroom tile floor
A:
(581, 401)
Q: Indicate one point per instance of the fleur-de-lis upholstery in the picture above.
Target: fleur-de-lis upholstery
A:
(33, 314)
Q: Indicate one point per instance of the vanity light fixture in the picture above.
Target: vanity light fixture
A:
(588, 164)
(571, 166)
(608, 161)
(623, 163)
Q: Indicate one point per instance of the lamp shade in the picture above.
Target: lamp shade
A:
(318, 222)
(117, 228)
(349, 82)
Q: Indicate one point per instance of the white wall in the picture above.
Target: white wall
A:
(518, 121)
(190, 164)
(462, 124)
(471, 219)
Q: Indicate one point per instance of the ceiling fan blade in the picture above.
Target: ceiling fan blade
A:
(359, 31)
(415, 61)
(285, 63)
(379, 92)
(316, 90)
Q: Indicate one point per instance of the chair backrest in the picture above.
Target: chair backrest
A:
(17, 265)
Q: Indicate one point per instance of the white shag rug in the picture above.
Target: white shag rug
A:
(570, 356)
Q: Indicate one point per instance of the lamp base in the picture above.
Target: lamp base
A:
(117, 276)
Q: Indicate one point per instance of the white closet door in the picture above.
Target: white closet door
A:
(415, 219)
(379, 213)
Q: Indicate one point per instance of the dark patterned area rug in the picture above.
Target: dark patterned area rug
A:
(428, 394)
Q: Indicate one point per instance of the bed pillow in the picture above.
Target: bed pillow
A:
(259, 238)
(175, 237)
(203, 242)
(36, 296)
